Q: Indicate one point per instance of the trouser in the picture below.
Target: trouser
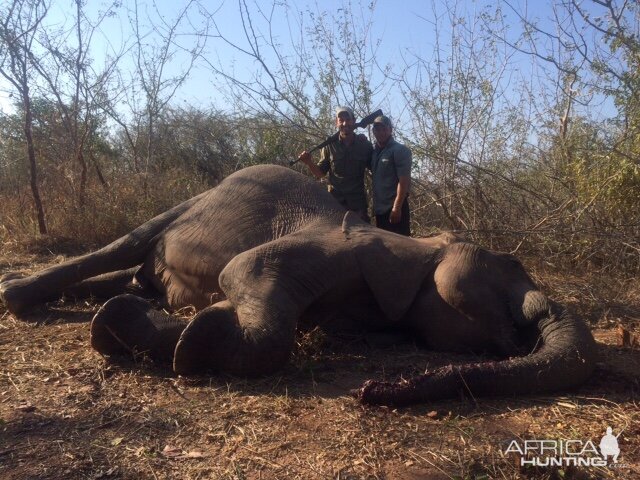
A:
(402, 227)
(361, 212)
(363, 215)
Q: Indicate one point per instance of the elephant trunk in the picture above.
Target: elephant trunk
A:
(565, 359)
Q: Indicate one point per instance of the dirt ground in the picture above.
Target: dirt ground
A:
(66, 412)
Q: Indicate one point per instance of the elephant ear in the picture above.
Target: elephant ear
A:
(394, 266)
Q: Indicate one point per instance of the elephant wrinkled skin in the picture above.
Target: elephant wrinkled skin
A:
(268, 246)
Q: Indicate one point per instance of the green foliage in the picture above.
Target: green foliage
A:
(609, 184)
(57, 148)
(195, 150)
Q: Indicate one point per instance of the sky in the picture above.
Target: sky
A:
(404, 29)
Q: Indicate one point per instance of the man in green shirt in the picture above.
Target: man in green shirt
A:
(345, 161)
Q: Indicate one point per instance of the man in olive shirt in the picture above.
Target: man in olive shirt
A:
(391, 170)
(345, 161)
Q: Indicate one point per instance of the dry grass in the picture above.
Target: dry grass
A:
(65, 412)
(106, 214)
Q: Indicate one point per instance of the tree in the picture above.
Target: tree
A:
(303, 71)
(594, 49)
(467, 126)
(19, 22)
(78, 89)
(153, 85)
(197, 143)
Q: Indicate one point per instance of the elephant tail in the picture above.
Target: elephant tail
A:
(565, 359)
(20, 294)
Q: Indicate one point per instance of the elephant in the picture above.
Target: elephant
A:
(268, 246)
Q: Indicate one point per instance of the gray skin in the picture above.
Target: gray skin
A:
(269, 247)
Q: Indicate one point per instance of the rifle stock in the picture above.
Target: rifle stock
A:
(328, 141)
(366, 121)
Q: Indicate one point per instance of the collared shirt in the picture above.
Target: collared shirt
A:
(387, 164)
(346, 166)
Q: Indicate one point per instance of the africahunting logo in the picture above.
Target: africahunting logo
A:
(564, 453)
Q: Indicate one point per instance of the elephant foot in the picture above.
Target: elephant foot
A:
(129, 324)
(217, 340)
(13, 294)
(10, 276)
(199, 347)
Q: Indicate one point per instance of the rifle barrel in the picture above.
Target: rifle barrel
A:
(366, 121)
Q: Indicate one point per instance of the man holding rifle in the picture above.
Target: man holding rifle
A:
(345, 161)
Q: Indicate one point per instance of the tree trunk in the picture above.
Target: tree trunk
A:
(28, 128)
(83, 176)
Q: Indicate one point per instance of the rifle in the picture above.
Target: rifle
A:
(366, 121)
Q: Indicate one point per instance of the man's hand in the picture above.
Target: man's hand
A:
(305, 157)
(396, 215)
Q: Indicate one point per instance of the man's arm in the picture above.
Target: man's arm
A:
(402, 160)
(404, 183)
(305, 157)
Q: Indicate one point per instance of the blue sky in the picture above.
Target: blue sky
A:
(404, 29)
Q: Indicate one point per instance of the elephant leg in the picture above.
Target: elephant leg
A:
(19, 294)
(109, 285)
(129, 324)
(267, 289)
(103, 286)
